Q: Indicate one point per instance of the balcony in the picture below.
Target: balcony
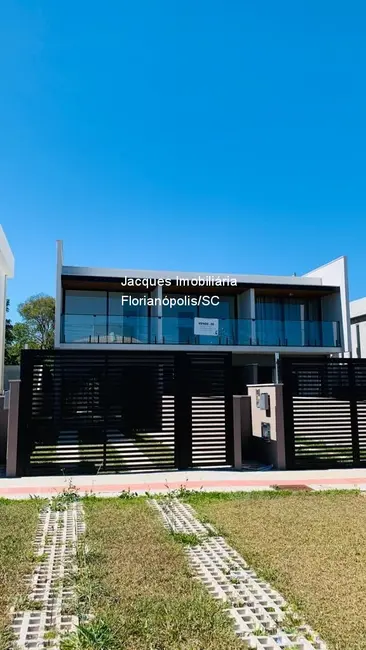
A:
(80, 329)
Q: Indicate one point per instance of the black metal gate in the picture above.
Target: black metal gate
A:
(324, 412)
(108, 411)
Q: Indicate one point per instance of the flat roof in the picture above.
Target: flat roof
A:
(96, 272)
(357, 307)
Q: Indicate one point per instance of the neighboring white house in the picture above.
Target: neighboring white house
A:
(6, 271)
(358, 327)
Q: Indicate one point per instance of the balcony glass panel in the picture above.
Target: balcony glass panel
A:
(95, 328)
(231, 332)
(298, 333)
(128, 322)
(84, 328)
(178, 321)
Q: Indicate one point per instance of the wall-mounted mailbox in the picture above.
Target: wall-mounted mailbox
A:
(266, 430)
(264, 402)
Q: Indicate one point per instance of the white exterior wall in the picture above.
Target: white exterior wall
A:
(358, 334)
(358, 328)
(335, 274)
(6, 271)
(58, 302)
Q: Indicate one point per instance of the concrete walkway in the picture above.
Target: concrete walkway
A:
(210, 480)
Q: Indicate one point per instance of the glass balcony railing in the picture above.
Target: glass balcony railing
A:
(230, 332)
(168, 330)
(297, 333)
(88, 328)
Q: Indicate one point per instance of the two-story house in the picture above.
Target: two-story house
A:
(146, 363)
(252, 316)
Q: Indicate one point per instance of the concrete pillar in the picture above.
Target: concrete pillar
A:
(280, 427)
(270, 449)
(156, 330)
(246, 310)
(58, 305)
(2, 329)
(13, 420)
(238, 461)
(242, 428)
(277, 367)
(252, 316)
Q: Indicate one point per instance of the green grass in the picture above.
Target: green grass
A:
(136, 581)
(188, 539)
(18, 523)
(311, 546)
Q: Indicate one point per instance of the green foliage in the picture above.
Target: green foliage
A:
(259, 631)
(127, 494)
(188, 539)
(96, 635)
(9, 337)
(38, 313)
(36, 330)
(61, 501)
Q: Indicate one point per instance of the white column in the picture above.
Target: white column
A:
(246, 310)
(13, 419)
(156, 329)
(58, 305)
(2, 329)
(302, 316)
(252, 316)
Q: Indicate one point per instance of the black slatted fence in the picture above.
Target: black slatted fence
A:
(107, 411)
(325, 412)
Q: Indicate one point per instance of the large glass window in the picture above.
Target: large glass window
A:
(288, 321)
(178, 322)
(85, 316)
(85, 302)
(128, 321)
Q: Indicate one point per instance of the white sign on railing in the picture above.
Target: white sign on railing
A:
(206, 326)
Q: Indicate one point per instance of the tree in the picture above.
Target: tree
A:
(38, 314)
(9, 336)
(20, 338)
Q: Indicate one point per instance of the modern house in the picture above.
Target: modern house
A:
(146, 364)
(358, 327)
(252, 316)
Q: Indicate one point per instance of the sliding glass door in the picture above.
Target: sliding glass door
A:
(288, 321)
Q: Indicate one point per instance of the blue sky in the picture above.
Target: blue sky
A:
(222, 136)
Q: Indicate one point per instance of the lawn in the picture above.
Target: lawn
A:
(309, 545)
(137, 581)
(18, 523)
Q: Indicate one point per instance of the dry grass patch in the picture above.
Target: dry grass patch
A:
(18, 524)
(311, 546)
(140, 587)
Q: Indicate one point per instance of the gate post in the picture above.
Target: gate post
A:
(229, 409)
(353, 414)
(13, 421)
(237, 417)
(182, 411)
(288, 411)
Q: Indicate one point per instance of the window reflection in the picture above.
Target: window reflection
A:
(128, 322)
(85, 317)
(178, 321)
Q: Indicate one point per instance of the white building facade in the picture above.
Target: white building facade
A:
(358, 328)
